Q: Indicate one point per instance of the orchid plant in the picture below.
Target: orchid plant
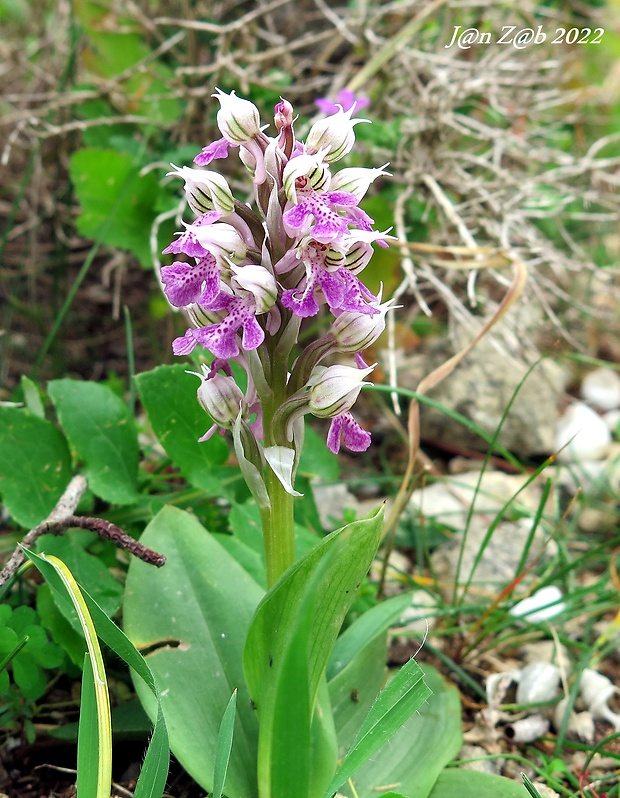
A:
(256, 274)
(236, 645)
(250, 277)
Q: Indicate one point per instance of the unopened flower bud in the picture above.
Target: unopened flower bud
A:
(333, 135)
(221, 398)
(221, 239)
(334, 390)
(357, 331)
(205, 190)
(283, 114)
(237, 119)
(259, 282)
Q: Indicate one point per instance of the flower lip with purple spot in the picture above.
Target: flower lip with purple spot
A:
(217, 149)
(346, 429)
(186, 285)
(221, 338)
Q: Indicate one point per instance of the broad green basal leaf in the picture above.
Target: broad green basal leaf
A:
(357, 671)
(414, 757)
(35, 465)
(472, 784)
(190, 618)
(102, 432)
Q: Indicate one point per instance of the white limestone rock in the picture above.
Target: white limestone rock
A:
(601, 389)
(581, 434)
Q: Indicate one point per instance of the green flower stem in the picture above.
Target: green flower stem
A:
(278, 530)
(277, 520)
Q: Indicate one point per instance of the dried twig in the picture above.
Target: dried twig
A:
(61, 518)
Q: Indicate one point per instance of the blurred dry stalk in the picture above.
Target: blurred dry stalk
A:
(483, 136)
(491, 182)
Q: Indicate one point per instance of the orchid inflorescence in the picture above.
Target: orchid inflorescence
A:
(256, 273)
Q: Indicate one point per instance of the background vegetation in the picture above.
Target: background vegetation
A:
(496, 153)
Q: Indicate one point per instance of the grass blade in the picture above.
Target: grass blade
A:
(96, 623)
(224, 746)
(530, 787)
(154, 774)
(88, 740)
(97, 711)
(395, 704)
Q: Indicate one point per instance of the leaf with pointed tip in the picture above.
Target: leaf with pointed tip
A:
(287, 650)
(418, 752)
(402, 696)
(224, 746)
(193, 616)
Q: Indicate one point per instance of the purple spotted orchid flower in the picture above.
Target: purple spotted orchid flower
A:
(250, 275)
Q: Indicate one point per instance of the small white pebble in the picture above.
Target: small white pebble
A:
(580, 724)
(540, 681)
(596, 690)
(527, 729)
(601, 389)
(581, 434)
(540, 606)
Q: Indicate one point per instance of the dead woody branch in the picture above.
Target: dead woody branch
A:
(61, 518)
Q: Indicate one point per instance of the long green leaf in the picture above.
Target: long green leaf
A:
(224, 746)
(287, 650)
(107, 630)
(404, 694)
(88, 741)
(417, 753)
(154, 773)
(152, 780)
(97, 711)
(192, 616)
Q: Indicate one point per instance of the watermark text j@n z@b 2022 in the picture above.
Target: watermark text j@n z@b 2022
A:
(520, 38)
